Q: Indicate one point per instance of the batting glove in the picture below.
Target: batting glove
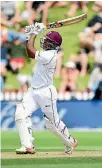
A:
(38, 28)
(28, 31)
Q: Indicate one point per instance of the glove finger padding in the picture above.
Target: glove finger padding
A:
(39, 27)
(28, 31)
(36, 29)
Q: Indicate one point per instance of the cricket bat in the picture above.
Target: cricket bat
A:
(67, 21)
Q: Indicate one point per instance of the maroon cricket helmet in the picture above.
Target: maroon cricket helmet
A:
(54, 37)
(51, 41)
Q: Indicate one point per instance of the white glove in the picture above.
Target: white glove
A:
(38, 28)
(34, 29)
(28, 31)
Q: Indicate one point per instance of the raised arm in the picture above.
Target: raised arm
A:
(30, 48)
(31, 32)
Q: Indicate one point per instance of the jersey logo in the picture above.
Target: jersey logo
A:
(47, 106)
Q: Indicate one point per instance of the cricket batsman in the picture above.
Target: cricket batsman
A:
(42, 93)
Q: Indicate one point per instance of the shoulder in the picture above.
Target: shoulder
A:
(45, 56)
(48, 53)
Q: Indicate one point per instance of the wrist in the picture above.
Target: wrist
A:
(33, 35)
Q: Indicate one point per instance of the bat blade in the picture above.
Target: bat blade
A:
(67, 21)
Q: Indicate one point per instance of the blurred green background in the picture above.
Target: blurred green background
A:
(70, 45)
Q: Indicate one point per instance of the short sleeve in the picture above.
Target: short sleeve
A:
(44, 56)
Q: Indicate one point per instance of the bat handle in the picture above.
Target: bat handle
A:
(54, 25)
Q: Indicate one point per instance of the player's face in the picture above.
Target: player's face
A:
(43, 43)
(47, 44)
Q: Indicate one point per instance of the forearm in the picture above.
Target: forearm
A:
(31, 50)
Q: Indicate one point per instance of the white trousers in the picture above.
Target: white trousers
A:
(44, 98)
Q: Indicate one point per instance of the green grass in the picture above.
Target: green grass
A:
(49, 163)
(46, 141)
(70, 45)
